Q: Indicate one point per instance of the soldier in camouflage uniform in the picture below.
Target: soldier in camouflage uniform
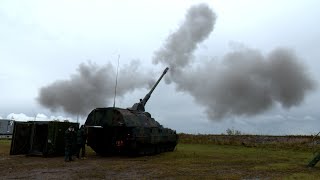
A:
(81, 142)
(69, 142)
(315, 160)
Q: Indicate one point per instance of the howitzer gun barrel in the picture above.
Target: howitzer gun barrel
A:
(146, 98)
(142, 103)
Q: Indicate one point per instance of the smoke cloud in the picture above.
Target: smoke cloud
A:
(92, 86)
(244, 82)
(178, 49)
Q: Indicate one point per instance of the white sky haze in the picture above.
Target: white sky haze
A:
(43, 41)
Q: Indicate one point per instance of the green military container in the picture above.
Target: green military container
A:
(44, 138)
(128, 131)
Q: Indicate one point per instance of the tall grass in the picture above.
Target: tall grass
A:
(280, 142)
(5, 146)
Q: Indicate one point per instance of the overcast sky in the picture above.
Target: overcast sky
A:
(42, 42)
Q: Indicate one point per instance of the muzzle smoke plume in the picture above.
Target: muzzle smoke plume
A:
(245, 82)
(178, 49)
(92, 86)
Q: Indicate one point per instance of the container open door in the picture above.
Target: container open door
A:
(20, 143)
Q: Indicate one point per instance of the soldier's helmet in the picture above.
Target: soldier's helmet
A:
(71, 128)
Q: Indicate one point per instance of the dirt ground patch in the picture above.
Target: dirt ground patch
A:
(94, 167)
(188, 161)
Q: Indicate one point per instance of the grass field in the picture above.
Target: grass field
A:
(188, 161)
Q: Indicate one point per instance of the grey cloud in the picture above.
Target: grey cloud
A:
(178, 48)
(92, 86)
(245, 83)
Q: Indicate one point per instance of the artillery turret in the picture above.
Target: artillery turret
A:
(129, 131)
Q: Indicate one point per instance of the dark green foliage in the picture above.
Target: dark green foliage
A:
(287, 142)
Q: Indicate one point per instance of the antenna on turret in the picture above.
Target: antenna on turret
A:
(115, 88)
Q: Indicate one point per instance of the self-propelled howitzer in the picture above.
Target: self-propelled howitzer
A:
(128, 131)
